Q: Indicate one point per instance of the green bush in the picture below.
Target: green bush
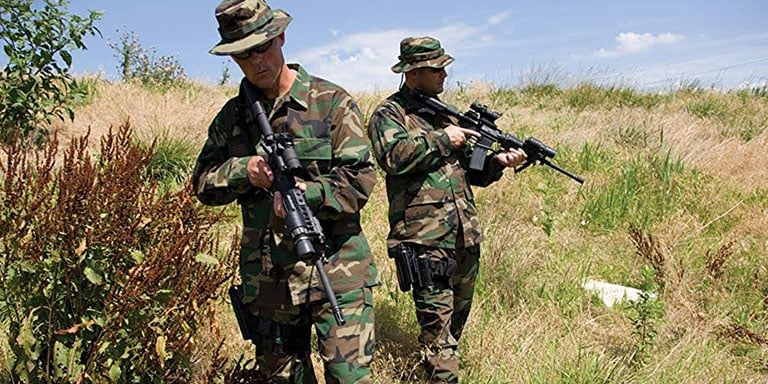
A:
(104, 279)
(143, 65)
(35, 85)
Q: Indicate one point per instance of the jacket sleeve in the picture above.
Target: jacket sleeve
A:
(219, 178)
(346, 187)
(396, 152)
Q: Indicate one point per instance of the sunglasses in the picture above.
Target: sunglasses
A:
(261, 48)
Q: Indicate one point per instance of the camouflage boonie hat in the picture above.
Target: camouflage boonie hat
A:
(244, 24)
(419, 52)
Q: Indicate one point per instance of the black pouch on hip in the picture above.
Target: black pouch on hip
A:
(412, 270)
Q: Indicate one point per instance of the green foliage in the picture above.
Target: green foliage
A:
(744, 116)
(645, 314)
(143, 65)
(86, 90)
(225, 75)
(35, 85)
(543, 90)
(588, 95)
(504, 96)
(104, 280)
(595, 157)
(645, 190)
(172, 158)
(708, 107)
(589, 368)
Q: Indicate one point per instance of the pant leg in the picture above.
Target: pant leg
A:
(347, 351)
(283, 345)
(463, 282)
(434, 312)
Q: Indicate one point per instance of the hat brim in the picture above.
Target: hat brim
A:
(279, 23)
(440, 62)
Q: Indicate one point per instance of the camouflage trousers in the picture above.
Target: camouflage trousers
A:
(442, 312)
(283, 345)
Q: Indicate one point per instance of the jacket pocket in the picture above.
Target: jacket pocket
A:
(425, 220)
(315, 154)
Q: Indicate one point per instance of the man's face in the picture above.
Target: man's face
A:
(430, 80)
(262, 67)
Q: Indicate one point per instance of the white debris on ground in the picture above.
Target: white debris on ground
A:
(612, 294)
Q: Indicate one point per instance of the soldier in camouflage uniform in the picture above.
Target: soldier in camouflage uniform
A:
(281, 289)
(431, 206)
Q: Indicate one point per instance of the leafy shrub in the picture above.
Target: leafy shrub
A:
(35, 85)
(143, 65)
(104, 279)
(646, 316)
(87, 90)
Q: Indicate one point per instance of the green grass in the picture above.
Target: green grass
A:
(669, 169)
(173, 159)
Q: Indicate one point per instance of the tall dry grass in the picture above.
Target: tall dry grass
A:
(532, 323)
(183, 112)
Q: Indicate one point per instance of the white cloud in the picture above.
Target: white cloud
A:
(723, 64)
(629, 43)
(361, 61)
(498, 18)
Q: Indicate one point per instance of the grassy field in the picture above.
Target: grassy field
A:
(675, 202)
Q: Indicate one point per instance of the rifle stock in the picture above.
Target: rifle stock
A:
(301, 224)
(482, 121)
(241, 314)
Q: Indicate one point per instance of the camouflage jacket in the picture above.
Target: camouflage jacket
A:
(330, 142)
(428, 185)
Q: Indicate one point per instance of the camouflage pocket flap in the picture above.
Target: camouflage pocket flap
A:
(427, 192)
(310, 148)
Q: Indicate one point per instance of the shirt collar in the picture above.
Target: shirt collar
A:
(299, 92)
(407, 96)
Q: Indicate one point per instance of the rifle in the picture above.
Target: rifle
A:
(241, 314)
(301, 224)
(482, 121)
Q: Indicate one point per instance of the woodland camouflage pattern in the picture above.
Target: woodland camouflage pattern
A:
(430, 199)
(443, 310)
(246, 23)
(339, 177)
(431, 204)
(330, 142)
(346, 361)
(419, 52)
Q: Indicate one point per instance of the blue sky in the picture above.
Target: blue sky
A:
(646, 44)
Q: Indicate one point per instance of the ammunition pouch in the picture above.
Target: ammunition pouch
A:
(268, 335)
(415, 268)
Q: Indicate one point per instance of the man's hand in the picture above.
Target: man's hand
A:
(277, 205)
(259, 173)
(511, 158)
(458, 135)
